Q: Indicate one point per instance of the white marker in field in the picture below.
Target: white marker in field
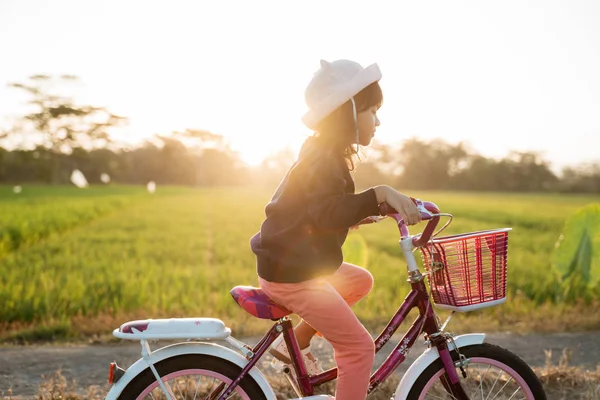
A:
(17, 189)
(78, 179)
(105, 178)
(151, 187)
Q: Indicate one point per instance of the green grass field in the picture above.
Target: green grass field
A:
(79, 262)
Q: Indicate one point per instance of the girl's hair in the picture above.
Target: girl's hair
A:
(337, 131)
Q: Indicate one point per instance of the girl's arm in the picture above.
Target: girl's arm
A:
(330, 207)
(399, 202)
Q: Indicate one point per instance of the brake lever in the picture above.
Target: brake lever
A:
(425, 213)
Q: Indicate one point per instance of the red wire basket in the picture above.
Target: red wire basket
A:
(467, 271)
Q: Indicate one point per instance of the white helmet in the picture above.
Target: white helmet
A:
(334, 84)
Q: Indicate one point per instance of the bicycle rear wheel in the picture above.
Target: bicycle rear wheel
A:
(192, 376)
(492, 373)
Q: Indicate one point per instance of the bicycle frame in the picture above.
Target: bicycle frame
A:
(304, 384)
(426, 322)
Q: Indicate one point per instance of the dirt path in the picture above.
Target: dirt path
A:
(21, 368)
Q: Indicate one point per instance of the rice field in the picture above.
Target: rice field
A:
(79, 262)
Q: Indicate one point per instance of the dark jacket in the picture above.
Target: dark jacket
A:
(308, 218)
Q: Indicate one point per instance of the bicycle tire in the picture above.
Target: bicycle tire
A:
(184, 362)
(481, 351)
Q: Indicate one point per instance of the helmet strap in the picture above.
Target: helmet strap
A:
(355, 122)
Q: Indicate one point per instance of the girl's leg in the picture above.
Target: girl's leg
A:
(321, 306)
(304, 333)
(352, 283)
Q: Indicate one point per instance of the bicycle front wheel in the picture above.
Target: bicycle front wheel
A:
(492, 373)
(192, 376)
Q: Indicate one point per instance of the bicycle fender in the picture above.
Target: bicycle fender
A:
(427, 358)
(189, 348)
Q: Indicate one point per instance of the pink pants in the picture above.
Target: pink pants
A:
(324, 303)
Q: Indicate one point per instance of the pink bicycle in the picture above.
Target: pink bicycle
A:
(465, 272)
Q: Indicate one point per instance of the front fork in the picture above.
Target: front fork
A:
(450, 380)
(439, 339)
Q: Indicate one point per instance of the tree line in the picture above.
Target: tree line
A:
(420, 165)
(58, 136)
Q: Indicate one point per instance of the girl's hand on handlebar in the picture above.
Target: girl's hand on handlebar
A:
(403, 204)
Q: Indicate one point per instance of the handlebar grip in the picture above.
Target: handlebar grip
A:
(427, 209)
(386, 209)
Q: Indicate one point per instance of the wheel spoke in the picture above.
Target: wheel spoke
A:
(481, 382)
(503, 386)
(185, 387)
(211, 390)
(178, 389)
(198, 387)
(214, 389)
(492, 389)
(515, 392)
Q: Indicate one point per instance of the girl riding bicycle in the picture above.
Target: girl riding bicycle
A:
(301, 269)
(299, 246)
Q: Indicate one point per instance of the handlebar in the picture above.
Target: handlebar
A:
(429, 211)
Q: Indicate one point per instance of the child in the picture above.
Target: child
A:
(299, 246)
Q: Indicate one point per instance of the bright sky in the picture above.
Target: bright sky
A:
(509, 75)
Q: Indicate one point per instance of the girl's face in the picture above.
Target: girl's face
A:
(367, 124)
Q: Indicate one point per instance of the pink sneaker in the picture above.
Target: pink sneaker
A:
(279, 351)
